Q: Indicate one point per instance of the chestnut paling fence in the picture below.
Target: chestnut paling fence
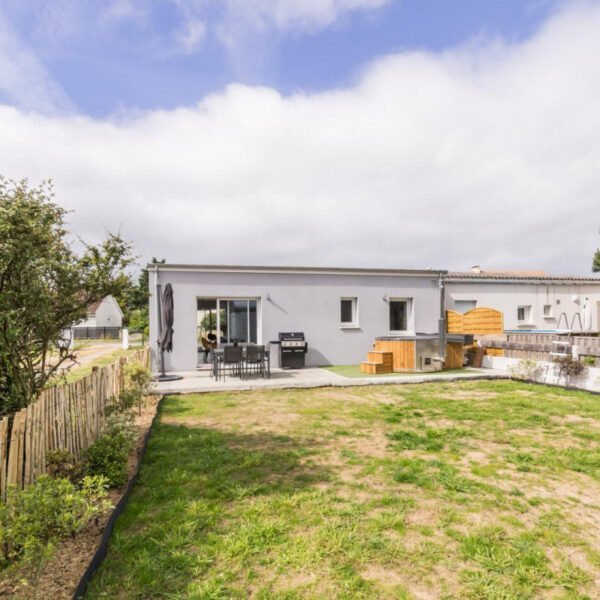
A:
(68, 417)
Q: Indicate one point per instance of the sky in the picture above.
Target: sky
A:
(358, 133)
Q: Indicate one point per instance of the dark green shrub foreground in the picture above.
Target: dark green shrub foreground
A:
(62, 464)
(52, 508)
(108, 455)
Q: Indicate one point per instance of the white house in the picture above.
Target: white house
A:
(529, 300)
(106, 313)
(340, 311)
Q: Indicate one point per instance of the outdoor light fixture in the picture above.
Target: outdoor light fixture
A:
(385, 298)
(269, 299)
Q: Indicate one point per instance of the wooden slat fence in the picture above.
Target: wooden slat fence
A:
(477, 321)
(68, 417)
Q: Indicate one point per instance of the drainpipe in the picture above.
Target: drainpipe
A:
(158, 319)
(442, 320)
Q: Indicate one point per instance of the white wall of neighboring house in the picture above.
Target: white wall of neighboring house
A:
(528, 305)
(108, 314)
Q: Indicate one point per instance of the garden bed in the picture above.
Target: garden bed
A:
(71, 557)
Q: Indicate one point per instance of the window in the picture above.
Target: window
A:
(227, 320)
(524, 313)
(349, 312)
(547, 310)
(463, 306)
(399, 315)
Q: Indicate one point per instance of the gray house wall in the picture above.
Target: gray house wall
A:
(296, 301)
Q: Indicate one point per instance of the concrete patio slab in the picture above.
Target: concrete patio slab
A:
(200, 381)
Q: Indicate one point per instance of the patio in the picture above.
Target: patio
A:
(200, 380)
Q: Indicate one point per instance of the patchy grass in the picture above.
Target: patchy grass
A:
(447, 490)
(79, 372)
(353, 371)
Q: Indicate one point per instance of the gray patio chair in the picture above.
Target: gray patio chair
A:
(231, 360)
(255, 360)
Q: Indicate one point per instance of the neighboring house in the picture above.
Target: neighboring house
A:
(529, 300)
(106, 313)
(340, 311)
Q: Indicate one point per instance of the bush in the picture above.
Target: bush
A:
(62, 464)
(108, 455)
(569, 367)
(137, 383)
(527, 369)
(52, 508)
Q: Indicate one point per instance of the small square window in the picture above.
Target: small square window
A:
(523, 313)
(349, 312)
(547, 310)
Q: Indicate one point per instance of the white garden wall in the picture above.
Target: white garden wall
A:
(547, 373)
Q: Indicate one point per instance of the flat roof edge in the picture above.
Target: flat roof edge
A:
(298, 270)
(531, 280)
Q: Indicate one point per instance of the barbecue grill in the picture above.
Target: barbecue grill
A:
(292, 350)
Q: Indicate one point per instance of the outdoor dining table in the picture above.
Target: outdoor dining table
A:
(218, 352)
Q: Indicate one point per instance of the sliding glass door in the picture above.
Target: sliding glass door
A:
(228, 320)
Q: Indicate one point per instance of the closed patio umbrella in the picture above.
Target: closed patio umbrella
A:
(165, 334)
(165, 338)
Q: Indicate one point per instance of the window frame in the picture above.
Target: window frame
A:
(462, 311)
(527, 312)
(354, 307)
(409, 316)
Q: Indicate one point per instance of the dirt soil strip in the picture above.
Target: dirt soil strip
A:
(75, 560)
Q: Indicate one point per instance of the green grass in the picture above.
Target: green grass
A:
(78, 373)
(353, 371)
(476, 490)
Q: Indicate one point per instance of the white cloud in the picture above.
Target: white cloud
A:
(481, 155)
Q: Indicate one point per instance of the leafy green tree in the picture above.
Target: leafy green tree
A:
(137, 301)
(596, 262)
(45, 287)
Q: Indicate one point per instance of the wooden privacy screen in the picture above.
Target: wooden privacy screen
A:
(478, 321)
(403, 353)
(68, 417)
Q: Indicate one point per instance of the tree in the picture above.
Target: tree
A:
(137, 301)
(45, 287)
(596, 262)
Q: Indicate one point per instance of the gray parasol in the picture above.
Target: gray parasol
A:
(165, 333)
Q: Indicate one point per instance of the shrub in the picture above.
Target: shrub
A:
(108, 455)
(137, 383)
(527, 369)
(62, 464)
(569, 367)
(52, 508)
(123, 403)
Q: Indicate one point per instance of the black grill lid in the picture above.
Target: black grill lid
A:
(291, 335)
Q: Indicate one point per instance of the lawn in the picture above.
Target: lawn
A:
(444, 490)
(353, 371)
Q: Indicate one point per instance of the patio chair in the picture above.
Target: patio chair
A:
(267, 361)
(255, 360)
(231, 360)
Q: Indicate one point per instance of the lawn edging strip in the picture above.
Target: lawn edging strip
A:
(100, 553)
